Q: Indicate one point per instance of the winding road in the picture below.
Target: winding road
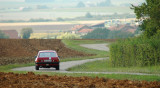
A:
(66, 65)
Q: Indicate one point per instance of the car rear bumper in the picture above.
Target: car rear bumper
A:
(49, 64)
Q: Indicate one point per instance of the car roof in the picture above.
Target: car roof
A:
(47, 51)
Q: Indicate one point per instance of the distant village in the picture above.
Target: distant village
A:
(128, 25)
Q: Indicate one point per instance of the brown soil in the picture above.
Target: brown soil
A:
(30, 80)
(23, 50)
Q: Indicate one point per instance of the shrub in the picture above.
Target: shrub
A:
(138, 51)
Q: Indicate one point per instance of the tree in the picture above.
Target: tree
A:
(99, 33)
(80, 5)
(88, 15)
(3, 36)
(26, 32)
(148, 13)
(117, 34)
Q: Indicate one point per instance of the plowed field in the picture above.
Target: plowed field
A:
(23, 50)
(30, 80)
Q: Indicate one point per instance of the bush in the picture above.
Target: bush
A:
(138, 51)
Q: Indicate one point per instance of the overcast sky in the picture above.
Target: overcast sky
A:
(113, 1)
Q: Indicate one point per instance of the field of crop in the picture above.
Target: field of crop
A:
(17, 51)
(11, 80)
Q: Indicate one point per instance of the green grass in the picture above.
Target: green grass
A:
(7, 68)
(105, 66)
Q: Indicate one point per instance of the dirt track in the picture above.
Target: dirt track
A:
(30, 80)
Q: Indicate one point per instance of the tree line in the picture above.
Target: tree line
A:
(104, 33)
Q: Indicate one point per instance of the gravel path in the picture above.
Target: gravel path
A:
(102, 47)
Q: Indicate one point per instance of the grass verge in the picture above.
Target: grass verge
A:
(105, 66)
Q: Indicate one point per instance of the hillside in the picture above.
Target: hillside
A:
(17, 51)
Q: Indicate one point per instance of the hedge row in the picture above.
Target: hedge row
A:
(135, 52)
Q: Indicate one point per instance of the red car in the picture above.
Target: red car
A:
(47, 59)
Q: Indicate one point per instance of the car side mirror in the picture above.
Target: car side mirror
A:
(35, 56)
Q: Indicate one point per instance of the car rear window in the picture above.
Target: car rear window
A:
(47, 54)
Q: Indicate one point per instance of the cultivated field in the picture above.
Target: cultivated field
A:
(11, 80)
(18, 51)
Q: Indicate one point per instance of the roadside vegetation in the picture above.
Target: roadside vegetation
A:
(106, 66)
(136, 52)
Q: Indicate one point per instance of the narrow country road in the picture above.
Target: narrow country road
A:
(66, 65)
(63, 65)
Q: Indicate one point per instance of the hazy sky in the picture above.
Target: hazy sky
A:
(12, 0)
(113, 1)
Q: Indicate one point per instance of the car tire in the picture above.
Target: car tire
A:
(37, 67)
(57, 67)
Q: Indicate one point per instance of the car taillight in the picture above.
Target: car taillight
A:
(56, 60)
(39, 61)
